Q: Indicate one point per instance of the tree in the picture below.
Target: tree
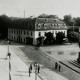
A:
(49, 38)
(68, 20)
(5, 22)
(40, 40)
(59, 37)
(70, 29)
(77, 21)
(73, 37)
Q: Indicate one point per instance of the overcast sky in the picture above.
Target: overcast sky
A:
(36, 7)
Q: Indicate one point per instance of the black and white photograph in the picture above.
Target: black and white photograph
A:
(39, 39)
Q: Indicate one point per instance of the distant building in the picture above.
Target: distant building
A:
(28, 30)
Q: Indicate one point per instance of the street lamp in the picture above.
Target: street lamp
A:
(9, 55)
(9, 66)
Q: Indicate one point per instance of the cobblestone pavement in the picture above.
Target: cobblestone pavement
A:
(62, 52)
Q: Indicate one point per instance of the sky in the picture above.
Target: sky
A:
(60, 8)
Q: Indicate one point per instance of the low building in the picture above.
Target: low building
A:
(28, 30)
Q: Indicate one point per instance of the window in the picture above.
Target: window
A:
(54, 24)
(14, 31)
(39, 34)
(57, 25)
(39, 26)
(9, 30)
(43, 24)
(24, 32)
(27, 33)
(17, 31)
(21, 32)
(14, 38)
(31, 33)
(36, 24)
(24, 39)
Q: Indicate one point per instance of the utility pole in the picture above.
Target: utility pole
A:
(73, 21)
(24, 13)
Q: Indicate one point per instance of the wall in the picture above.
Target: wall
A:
(52, 31)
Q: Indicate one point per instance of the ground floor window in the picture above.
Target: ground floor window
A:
(39, 34)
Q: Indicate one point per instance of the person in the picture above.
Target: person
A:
(9, 54)
(29, 71)
(56, 65)
(35, 64)
(31, 66)
(38, 68)
(59, 68)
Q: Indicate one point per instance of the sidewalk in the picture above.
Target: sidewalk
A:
(19, 70)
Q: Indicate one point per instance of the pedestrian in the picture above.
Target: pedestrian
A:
(35, 64)
(29, 71)
(56, 65)
(9, 55)
(38, 68)
(31, 67)
(59, 68)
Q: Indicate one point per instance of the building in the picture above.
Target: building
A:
(28, 30)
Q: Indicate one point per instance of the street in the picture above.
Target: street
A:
(19, 69)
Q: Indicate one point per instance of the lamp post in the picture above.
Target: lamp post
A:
(9, 55)
(9, 66)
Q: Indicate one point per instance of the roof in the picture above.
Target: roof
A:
(48, 20)
(49, 24)
(29, 23)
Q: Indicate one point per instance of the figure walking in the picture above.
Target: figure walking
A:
(8, 55)
(56, 65)
(59, 68)
(31, 66)
(38, 68)
(29, 71)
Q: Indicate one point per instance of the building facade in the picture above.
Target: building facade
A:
(29, 30)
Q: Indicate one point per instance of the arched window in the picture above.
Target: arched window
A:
(39, 26)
